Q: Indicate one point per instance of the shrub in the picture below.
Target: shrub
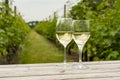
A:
(13, 30)
(104, 43)
(47, 28)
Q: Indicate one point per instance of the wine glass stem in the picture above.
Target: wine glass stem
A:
(65, 55)
(80, 54)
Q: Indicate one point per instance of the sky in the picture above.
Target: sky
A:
(33, 10)
(38, 10)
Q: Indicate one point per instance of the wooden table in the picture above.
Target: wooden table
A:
(104, 70)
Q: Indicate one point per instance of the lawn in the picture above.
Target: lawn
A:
(37, 49)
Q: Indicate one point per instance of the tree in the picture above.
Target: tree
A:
(105, 27)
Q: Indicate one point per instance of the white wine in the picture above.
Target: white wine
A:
(81, 38)
(64, 37)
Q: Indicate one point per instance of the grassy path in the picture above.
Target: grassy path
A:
(38, 49)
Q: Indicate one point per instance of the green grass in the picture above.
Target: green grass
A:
(37, 49)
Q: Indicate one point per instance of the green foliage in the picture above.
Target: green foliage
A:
(117, 4)
(104, 43)
(47, 28)
(12, 33)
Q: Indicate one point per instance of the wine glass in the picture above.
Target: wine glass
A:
(81, 34)
(64, 33)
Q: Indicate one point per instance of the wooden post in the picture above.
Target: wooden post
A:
(49, 17)
(15, 10)
(7, 5)
(54, 14)
(19, 14)
(65, 11)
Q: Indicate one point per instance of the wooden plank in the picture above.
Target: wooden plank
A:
(58, 64)
(110, 78)
(53, 72)
(30, 72)
(57, 70)
(58, 67)
(105, 70)
(66, 77)
(55, 64)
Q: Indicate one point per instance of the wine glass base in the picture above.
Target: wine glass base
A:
(64, 66)
(74, 65)
(77, 65)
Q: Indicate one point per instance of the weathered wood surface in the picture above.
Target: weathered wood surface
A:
(104, 70)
